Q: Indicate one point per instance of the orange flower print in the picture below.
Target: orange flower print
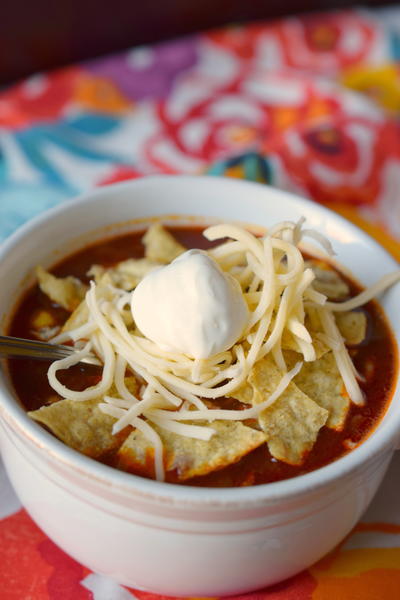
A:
(99, 94)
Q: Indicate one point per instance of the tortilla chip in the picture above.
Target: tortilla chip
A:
(82, 425)
(322, 382)
(188, 456)
(160, 245)
(126, 274)
(79, 317)
(136, 455)
(352, 326)
(291, 424)
(244, 393)
(68, 292)
(327, 281)
(96, 272)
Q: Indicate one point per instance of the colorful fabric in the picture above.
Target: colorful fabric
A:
(308, 104)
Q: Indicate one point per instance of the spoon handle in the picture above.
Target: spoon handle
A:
(13, 347)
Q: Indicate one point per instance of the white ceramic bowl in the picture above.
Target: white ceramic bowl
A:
(170, 539)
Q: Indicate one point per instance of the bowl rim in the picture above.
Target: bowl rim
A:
(386, 435)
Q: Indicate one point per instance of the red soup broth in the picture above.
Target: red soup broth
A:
(375, 358)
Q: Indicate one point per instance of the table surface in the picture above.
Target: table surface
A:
(308, 104)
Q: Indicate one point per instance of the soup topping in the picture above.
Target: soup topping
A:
(202, 312)
(207, 355)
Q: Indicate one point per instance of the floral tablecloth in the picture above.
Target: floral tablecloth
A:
(309, 104)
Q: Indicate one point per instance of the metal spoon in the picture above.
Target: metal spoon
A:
(13, 347)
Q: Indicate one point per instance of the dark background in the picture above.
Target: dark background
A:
(43, 34)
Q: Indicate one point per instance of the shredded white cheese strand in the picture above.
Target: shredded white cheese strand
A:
(374, 290)
(343, 360)
(213, 414)
(92, 392)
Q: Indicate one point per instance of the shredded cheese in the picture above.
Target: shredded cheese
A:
(279, 294)
(374, 290)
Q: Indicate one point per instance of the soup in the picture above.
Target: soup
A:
(298, 414)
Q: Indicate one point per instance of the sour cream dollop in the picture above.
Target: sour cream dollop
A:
(190, 306)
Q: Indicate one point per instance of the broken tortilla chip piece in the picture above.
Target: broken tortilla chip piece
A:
(68, 292)
(126, 274)
(136, 455)
(322, 382)
(327, 281)
(79, 317)
(160, 245)
(191, 457)
(96, 272)
(291, 424)
(352, 326)
(82, 425)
